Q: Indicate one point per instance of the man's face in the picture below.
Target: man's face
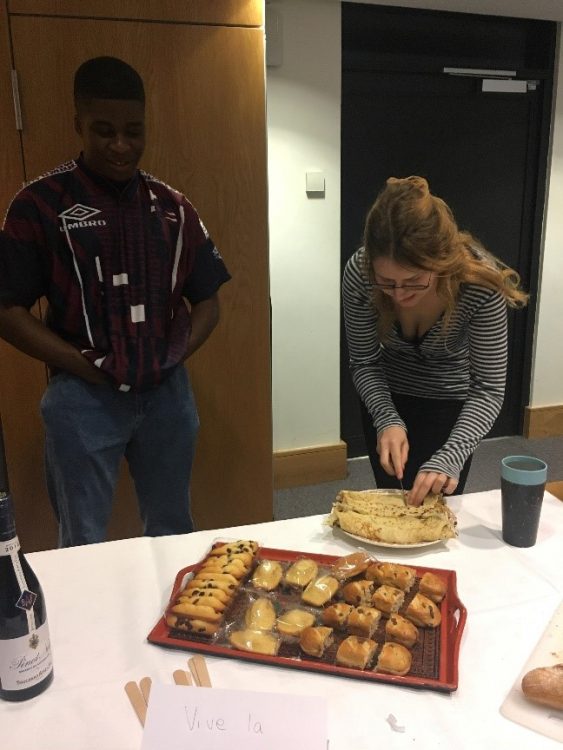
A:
(113, 136)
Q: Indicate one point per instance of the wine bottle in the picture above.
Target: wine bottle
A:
(26, 667)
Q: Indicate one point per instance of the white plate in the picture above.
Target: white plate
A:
(390, 544)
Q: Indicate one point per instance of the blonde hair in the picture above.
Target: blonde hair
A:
(418, 230)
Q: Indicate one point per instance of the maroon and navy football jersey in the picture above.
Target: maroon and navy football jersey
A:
(116, 264)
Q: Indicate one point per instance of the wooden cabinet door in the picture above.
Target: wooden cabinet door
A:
(206, 136)
(22, 380)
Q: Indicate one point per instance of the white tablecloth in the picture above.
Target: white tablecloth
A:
(104, 599)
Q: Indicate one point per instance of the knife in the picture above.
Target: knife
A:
(403, 490)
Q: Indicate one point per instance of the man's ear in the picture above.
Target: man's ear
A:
(77, 124)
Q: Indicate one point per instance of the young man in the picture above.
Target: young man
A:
(117, 254)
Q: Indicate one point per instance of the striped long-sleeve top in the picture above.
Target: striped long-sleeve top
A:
(467, 362)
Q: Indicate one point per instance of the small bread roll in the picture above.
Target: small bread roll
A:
(321, 591)
(401, 631)
(315, 640)
(257, 641)
(433, 587)
(261, 615)
(363, 621)
(235, 567)
(196, 612)
(392, 574)
(394, 659)
(245, 558)
(206, 575)
(301, 573)
(243, 545)
(388, 599)
(294, 621)
(197, 627)
(350, 565)
(207, 590)
(356, 652)
(545, 685)
(336, 616)
(267, 575)
(358, 592)
(422, 611)
(209, 601)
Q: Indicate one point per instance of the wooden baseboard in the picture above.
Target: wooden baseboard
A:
(543, 421)
(302, 466)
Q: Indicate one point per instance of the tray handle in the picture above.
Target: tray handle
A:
(457, 619)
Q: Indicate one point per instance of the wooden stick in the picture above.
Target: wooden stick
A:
(198, 667)
(137, 701)
(145, 685)
(181, 677)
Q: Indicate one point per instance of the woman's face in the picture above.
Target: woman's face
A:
(400, 278)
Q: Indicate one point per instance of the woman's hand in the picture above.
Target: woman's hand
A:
(430, 481)
(393, 450)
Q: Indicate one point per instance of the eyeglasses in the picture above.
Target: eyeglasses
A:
(411, 287)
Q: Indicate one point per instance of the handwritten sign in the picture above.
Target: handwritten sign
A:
(181, 717)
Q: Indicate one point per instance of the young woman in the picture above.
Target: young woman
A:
(426, 325)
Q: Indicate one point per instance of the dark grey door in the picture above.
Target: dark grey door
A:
(481, 152)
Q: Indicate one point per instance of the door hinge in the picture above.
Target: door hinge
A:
(16, 95)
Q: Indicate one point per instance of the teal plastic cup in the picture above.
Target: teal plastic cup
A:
(522, 486)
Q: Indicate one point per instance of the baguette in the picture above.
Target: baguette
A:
(544, 685)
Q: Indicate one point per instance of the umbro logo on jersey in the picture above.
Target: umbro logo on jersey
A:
(79, 216)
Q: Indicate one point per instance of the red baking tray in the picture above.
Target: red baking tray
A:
(443, 641)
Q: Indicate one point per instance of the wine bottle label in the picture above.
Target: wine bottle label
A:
(27, 660)
(11, 547)
(26, 600)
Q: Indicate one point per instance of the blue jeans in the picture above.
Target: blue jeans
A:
(89, 428)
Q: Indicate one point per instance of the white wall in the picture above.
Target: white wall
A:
(304, 134)
(547, 373)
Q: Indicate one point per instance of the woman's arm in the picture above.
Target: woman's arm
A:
(487, 337)
(367, 371)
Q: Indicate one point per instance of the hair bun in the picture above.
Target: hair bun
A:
(415, 182)
(414, 190)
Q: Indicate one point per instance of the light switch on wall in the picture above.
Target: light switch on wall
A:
(315, 184)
